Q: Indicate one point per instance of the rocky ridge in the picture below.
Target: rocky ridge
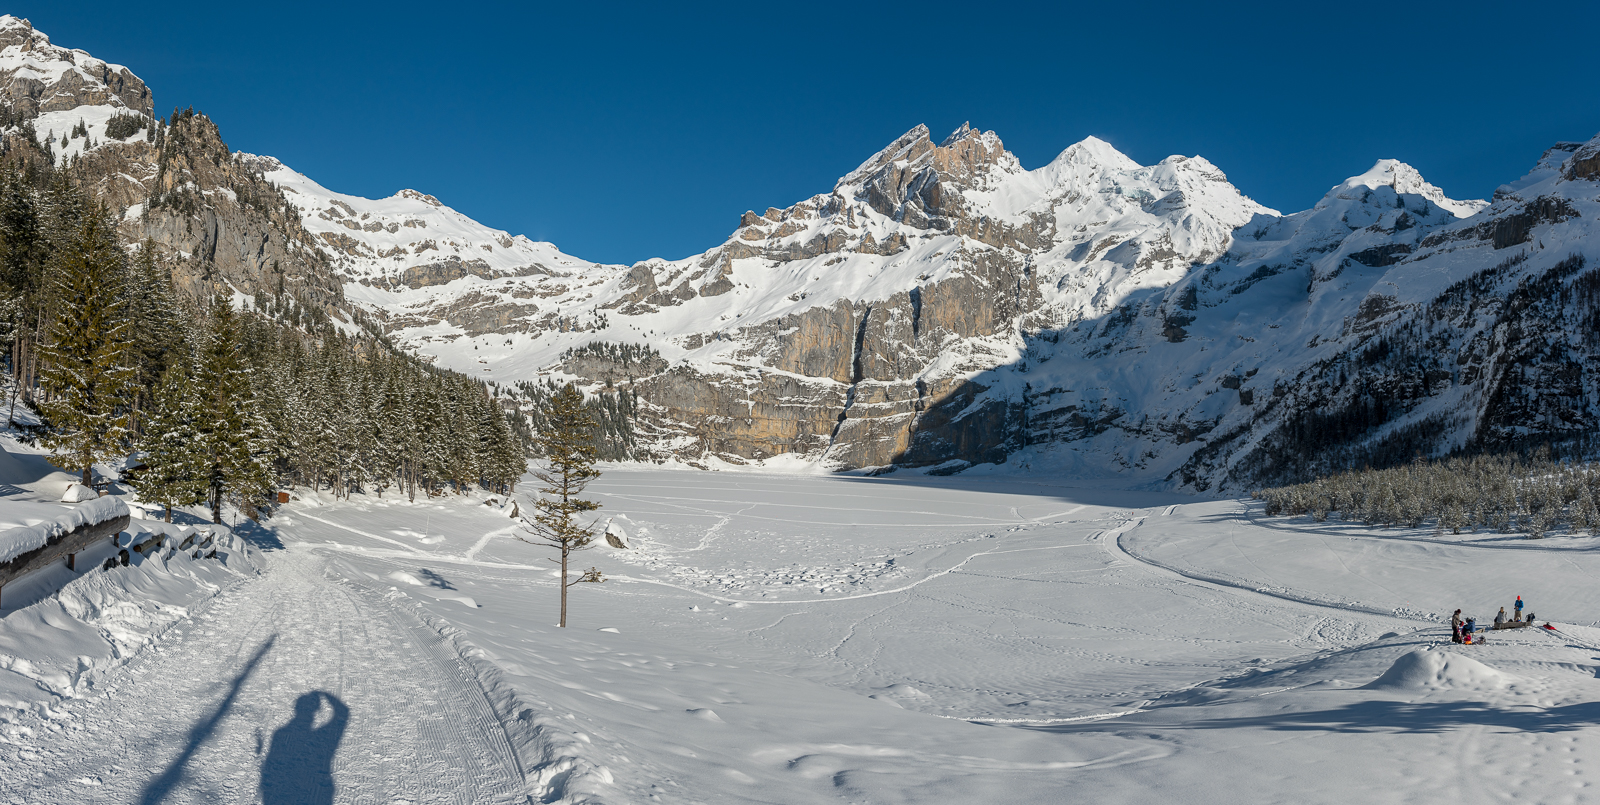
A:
(174, 185)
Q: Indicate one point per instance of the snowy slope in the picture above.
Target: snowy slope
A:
(913, 233)
(1376, 325)
(394, 241)
(943, 304)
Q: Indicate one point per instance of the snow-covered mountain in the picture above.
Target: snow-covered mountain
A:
(940, 306)
(57, 88)
(925, 264)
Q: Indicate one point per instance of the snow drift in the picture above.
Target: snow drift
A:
(1424, 670)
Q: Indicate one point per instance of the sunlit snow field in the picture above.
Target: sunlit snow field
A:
(768, 638)
(772, 638)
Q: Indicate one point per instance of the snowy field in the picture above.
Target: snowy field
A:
(799, 639)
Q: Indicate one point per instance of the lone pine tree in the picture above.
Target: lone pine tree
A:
(567, 456)
(88, 370)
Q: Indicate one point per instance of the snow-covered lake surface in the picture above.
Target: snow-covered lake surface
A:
(799, 639)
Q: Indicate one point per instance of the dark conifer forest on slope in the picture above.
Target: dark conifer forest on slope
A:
(225, 398)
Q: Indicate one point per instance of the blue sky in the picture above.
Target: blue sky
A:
(623, 131)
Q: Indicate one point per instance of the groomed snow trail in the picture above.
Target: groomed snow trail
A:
(207, 715)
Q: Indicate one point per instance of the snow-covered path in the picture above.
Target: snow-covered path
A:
(287, 678)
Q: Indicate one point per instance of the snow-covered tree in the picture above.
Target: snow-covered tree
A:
(157, 329)
(88, 373)
(233, 432)
(175, 459)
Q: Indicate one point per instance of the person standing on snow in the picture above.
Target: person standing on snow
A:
(1455, 627)
(1519, 607)
(1500, 617)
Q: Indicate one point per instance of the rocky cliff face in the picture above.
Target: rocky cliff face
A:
(38, 77)
(209, 213)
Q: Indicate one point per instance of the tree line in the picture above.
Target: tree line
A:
(1509, 494)
(226, 397)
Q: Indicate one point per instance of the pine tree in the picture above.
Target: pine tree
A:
(88, 373)
(158, 327)
(501, 457)
(22, 259)
(233, 433)
(175, 460)
(568, 458)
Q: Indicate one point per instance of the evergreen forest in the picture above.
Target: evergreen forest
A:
(1531, 495)
(226, 399)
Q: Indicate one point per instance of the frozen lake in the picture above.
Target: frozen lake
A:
(772, 638)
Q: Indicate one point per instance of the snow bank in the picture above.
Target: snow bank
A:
(17, 541)
(559, 765)
(1439, 670)
(78, 493)
(56, 647)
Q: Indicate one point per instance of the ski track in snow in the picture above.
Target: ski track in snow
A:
(977, 521)
(193, 720)
(1112, 541)
(408, 552)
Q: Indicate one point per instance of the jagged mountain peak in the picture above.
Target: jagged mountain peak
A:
(965, 130)
(907, 146)
(1402, 179)
(14, 30)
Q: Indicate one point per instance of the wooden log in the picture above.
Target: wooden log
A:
(60, 546)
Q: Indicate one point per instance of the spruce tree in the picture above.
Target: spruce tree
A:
(158, 327)
(88, 372)
(568, 456)
(21, 271)
(501, 451)
(175, 460)
(233, 433)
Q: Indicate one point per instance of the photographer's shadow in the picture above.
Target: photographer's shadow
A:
(299, 764)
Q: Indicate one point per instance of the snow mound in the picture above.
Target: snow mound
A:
(24, 468)
(78, 493)
(1439, 670)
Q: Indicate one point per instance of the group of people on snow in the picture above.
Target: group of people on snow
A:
(1461, 630)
